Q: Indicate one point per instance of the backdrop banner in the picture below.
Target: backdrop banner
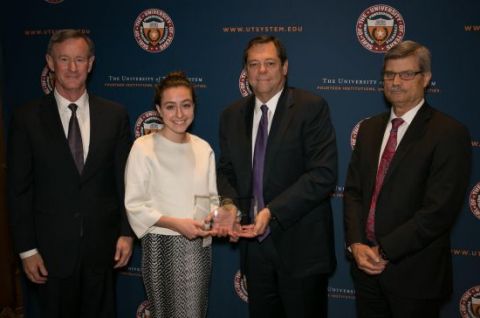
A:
(335, 49)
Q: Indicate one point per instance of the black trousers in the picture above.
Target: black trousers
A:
(372, 301)
(87, 293)
(275, 293)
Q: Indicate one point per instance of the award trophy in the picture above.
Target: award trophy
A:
(225, 215)
(202, 208)
(218, 213)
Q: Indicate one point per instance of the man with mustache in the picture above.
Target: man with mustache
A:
(405, 186)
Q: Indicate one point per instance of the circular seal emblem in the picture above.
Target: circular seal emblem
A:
(240, 285)
(143, 310)
(243, 84)
(379, 28)
(147, 123)
(470, 303)
(153, 30)
(353, 135)
(47, 80)
(474, 200)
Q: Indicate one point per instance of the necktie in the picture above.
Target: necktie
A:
(75, 138)
(385, 160)
(258, 164)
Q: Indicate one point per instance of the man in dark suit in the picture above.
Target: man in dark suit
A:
(401, 201)
(66, 160)
(291, 253)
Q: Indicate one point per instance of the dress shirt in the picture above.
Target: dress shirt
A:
(257, 114)
(407, 118)
(83, 116)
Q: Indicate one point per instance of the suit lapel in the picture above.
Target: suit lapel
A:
(52, 123)
(248, 124)
(376, 137)
(95, 122)
(413, 134)
(241, 150)
(280, 122)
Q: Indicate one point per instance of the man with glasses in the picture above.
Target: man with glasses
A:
(406, 184)
(279, 162)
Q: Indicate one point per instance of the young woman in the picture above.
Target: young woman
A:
(166, 170)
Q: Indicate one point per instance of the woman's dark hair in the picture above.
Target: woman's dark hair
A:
(173, 79)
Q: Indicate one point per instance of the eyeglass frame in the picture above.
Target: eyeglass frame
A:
(405, 75)
(256, 65)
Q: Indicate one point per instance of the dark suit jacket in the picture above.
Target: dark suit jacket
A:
(53, 208)
(422, 193)
(299, 176)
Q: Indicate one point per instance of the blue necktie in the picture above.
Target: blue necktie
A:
(75, 138)
(258, 164)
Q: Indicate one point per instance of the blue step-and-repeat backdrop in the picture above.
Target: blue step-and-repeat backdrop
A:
(331, 51)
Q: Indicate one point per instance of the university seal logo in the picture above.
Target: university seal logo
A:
(147, 123)
(470, 303)
(153, 30)
(243, 85)
(47, 80)
(353, 135)
(240, 285)
(474, 201)
(379, 28)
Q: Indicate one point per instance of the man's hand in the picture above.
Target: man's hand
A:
(368, 259)
(123, 251)
(35, 269)
(261, 221)
(258, 228)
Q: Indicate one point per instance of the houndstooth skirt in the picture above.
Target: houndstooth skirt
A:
(176, 274)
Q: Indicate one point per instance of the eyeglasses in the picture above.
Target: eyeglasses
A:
(406, 75)
(255, 65)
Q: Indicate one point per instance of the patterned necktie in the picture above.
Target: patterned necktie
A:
(387, 156)
(258, 164)
(75, 138)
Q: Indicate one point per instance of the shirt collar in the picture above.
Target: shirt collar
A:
(63, 103)
(408, 116)
(271, 103)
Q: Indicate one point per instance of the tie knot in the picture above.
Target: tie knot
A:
(73, 107)
(264, 109)
(397, 122)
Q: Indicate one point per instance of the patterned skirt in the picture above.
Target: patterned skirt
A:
(176, 274)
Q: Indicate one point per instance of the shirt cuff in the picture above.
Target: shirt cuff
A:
(28, 253)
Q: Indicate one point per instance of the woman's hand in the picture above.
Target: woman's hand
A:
(189, 228)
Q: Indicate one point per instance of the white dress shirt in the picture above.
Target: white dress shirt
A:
(257, 115)
(83, 116)
(402, 129)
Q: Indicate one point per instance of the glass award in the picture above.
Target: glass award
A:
(224, 214)
(202, 209)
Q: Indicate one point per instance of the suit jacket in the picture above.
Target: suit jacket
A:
(422, 194)
(65, 215)
(299, 175)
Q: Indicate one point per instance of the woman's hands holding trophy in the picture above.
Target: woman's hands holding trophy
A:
(224, 220)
